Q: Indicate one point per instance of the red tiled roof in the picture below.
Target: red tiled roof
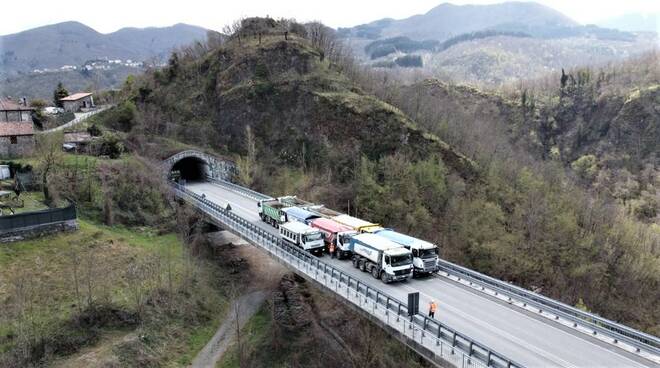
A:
(23, 128)
(11, 105)
(75, 96)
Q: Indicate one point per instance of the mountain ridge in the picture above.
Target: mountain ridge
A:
(73, 43)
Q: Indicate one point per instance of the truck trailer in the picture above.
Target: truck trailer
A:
(357, 224)
(271, 212)
(425, 254)
(337, 234)
(303, 236)
(382, 258)
(300, 215)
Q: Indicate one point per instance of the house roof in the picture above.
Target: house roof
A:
(75, 96)
(16, 128)
(7, 104)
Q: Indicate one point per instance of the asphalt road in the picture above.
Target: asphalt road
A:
(529, 340)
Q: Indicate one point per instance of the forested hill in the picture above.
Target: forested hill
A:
(301, 118)
(73, 43)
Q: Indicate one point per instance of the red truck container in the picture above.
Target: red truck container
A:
(334, 232)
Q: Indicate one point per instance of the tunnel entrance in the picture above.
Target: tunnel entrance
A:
(189, 169)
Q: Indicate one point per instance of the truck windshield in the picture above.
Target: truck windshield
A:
(428, 253)
(313, 237)
(402, 260)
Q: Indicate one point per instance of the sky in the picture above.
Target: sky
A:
(111, 15)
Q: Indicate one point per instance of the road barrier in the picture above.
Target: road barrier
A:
(441, 340)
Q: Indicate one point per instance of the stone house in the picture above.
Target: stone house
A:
(76, 102)
(16, 129)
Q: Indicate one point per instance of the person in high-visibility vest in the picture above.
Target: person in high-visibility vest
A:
(331, 249)
(432, 308)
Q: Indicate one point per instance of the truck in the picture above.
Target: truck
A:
(425, 254)
(337, 234)
(303, 236)
(300, 215)
(383, 258)
(357, 224)
(271, 211)
(294, 201)
(323, 211)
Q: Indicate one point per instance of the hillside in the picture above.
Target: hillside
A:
(299, 118)
(73, 43)
(447, 20)
(490, 45)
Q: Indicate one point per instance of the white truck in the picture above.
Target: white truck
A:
(382, 258)
(425, 254)
(303, 236)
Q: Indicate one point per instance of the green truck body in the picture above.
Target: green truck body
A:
(271, 212)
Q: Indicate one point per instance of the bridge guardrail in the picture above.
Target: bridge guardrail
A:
(618, 332)
(637, 339)
(440, 339)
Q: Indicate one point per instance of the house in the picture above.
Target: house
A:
(81, 101)
(16, 129)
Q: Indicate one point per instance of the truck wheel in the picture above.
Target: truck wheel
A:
(375, 273)
(362, 266)
(383, 278)
(356, 263)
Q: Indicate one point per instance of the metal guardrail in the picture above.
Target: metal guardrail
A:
(438, 338)
(619, 332)
(239, 189)
(49, 216)
(79, 119)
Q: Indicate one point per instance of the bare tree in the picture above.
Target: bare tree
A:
(49, 160)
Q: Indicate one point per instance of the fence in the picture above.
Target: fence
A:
(21, 220)
(437, 338)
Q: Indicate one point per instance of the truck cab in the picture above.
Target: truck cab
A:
(425, 254)
(337, 234)
(303, 236)
(382, 258)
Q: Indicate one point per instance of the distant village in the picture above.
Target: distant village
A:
(95, 64)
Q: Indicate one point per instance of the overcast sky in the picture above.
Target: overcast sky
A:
(110, 15)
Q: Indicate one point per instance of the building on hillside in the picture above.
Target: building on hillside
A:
(76, 102)
(16, 129)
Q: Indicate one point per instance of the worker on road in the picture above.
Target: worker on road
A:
(331, 249)
(432, 308)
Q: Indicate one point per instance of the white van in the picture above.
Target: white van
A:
(302, 235)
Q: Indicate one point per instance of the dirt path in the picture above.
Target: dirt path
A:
(247, 305)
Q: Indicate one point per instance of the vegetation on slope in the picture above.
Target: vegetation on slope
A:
(295, 111)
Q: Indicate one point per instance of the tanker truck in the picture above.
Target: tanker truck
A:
(425, 254)
(382, 258)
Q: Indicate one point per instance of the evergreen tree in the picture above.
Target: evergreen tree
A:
(59, 93)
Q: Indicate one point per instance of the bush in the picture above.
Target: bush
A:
(111, 146)
(94, 130)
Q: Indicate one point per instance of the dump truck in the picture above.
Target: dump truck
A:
(271, 212)
(303, 236)
(382, 258)
(323, 211)
(357, 224)
(300, 215)
(425, 254)
(337, 234)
